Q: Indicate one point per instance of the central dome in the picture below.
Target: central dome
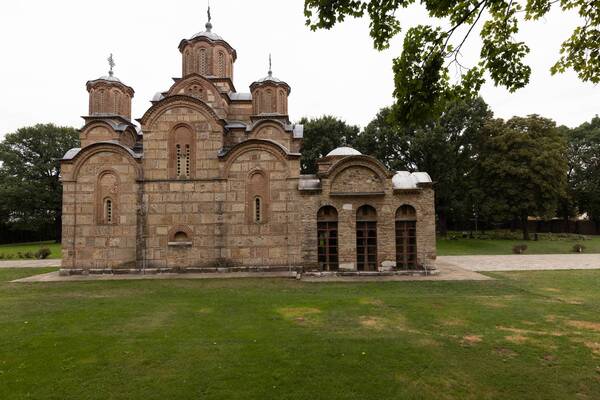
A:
(344, 151)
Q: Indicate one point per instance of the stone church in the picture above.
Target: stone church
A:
(209, 180)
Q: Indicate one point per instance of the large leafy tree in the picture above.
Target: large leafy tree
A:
(442, 147)
(321, 135)
(422, 71)
(29, 175)
(521, 169)
(584, 168)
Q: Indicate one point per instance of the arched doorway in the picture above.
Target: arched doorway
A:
(327, 231)
(406, 237)
(366, 238)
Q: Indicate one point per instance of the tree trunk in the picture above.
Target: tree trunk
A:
(525, 228)
(443, 224)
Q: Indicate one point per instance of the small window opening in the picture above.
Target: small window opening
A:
(108, 211)
(257, 210)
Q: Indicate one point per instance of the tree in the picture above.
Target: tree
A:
(422, 71)
(29, 175)
(584, 167)
(321, 135)
(521, 169)
(442, 147)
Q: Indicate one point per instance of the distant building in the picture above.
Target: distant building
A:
(211, 178)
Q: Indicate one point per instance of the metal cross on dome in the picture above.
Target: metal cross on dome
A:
(270, 69)
(111, 64)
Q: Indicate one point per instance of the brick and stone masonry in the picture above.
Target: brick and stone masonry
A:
(210, 180)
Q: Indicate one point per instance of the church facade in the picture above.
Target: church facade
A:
(210, 181)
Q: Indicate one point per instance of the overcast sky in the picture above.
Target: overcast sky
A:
(49, 49)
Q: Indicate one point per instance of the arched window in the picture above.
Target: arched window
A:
(221, 65)
(258, 195)
(203, 62)
(181, 153)
(281, 102)
(268, 101)
(258, 102)
(107, 192)
(117, 103)
(257, 209)
(406, 237)
(186, 63)
(102, 101)
(366, 238)
(327, 236)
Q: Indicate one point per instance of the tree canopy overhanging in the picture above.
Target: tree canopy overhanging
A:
(422, 71)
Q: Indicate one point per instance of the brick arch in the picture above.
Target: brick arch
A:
(104, 191)
(174, 230)
(184, 135)
(93, 149)
(399, 215)
(359, 160)
(358, 177)
(258, 188)
(160, 107)
(269, 146)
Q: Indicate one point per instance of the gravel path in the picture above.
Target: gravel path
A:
(524, 262)
(29, 263)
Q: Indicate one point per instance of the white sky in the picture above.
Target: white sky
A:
(49, 49)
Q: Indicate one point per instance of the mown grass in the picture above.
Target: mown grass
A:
(526, 335)
(466, 246)
(32, 247)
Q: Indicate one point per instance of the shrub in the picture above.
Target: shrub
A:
(578, 248)
(9, 256)
(519, 248)
(2, 256)
(43, 253)
(28, 254)
(20, 255)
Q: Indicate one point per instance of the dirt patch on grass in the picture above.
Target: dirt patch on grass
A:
(381, 324)
(300, 315)
(470, 340)
(377, 323)
(505, 353)
(551, 289)
(524, 332)
(588, 325)
(205, 310)
(516, 339)
(594, 346)
(371, 301)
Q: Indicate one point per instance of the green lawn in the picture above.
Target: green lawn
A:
(465, 246)
(31, 247)
(528, 335)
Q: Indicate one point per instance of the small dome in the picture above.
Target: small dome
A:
(110, 78)
(344, 151)
(269, 78)
(207, 34)
(407, 180)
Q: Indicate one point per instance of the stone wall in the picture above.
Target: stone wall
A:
(90, 242)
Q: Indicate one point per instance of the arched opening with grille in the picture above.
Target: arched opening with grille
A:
(406, 237)
(327, 235)
(366, 238)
